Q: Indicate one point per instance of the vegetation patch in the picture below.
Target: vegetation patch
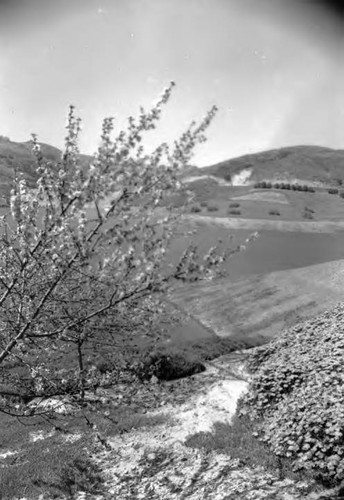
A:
(50, 467)
(212, 208)
(302, 371)
(195, 209)
(274, 212)
(308, 213)
(237, 439)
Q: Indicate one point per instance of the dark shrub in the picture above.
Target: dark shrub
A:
(274, 212)
(293, 187)
(212, 208)
(234, 205)
(341, 194)
(311, 190)
(168, 366)
(287, 186)
(263, 184)
(256, 185)
(307, 215)
(282, 186)
(268, 185)
(277, 185)
(234, 212)
(332, 191)
(304, 188)
(195, 209)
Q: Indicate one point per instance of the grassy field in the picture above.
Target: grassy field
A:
(258, 203)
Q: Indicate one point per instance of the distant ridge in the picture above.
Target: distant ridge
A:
(314, 164)
(311, 164)
(18, 156)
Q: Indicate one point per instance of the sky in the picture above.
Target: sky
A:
(274, 68)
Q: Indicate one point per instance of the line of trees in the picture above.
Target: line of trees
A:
(284, 185)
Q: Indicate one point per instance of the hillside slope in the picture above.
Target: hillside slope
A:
(18, 156)
(263, 305)
(308, 163)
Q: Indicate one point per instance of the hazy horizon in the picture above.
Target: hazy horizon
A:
(272, 67)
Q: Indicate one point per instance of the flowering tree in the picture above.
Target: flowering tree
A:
(86, 250)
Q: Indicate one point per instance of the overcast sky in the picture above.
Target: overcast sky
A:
(273, 67)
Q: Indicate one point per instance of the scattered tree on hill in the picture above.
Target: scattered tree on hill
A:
(85, 253)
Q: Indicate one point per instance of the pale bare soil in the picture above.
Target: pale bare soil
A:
(323, 226)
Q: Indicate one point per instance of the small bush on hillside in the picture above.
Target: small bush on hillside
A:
(305, 188)
(341, 194)
(234, 212)
(293, 187)
(282, 185)
(274, 212)
(263, 184)
(268, 185)
(195, 209)
(311, 190)
(302, 371)
(332, 191)
(234, 205)
(287, 186)
(307, 215)
(212, 208)
(277, 185)
(168, 365)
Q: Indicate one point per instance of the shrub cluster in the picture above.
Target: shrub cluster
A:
(195, 209)
(167, 365)
(302, 371)
(234, 212)
(333, 191)
(234, 205)
(212, 208)
(308, 213)
(274, 211)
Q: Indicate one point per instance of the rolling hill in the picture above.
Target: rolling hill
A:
(311, 164)
(18, 156)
